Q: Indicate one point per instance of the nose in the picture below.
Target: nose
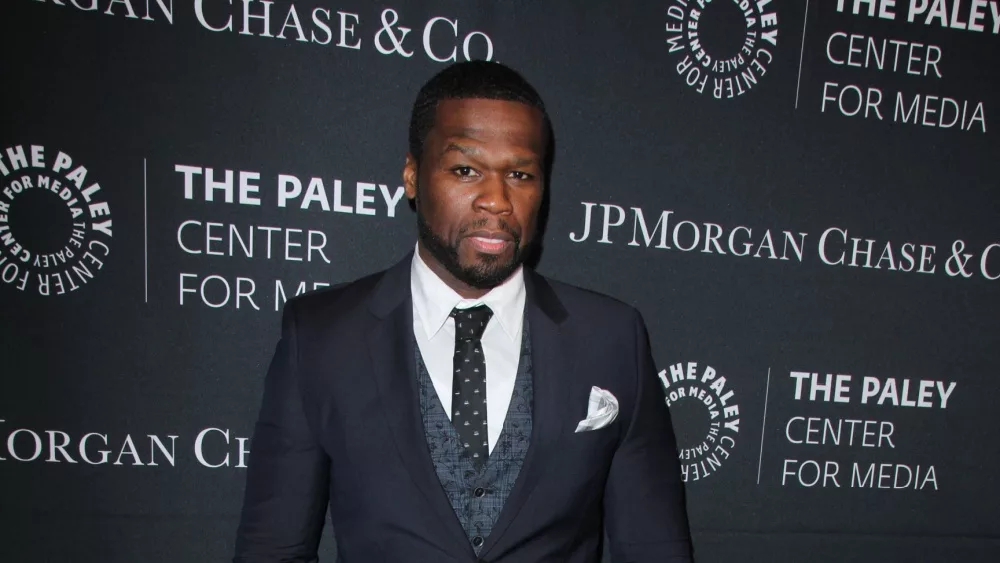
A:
(493, 196)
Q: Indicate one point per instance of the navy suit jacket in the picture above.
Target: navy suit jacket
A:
(340, 427)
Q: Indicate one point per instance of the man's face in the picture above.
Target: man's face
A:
(478, 189)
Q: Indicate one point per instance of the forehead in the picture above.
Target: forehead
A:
(489, 121)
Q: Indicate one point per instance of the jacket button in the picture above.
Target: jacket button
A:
(477, 541)
(479, 491)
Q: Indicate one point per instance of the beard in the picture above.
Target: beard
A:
(489, 272)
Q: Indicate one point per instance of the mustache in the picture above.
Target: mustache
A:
(484, 222)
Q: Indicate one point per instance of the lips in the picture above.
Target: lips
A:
(490, 242)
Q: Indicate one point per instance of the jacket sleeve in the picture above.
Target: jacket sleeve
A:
(287, 484)
(644, 506)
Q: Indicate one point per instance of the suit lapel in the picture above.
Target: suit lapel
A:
(552, 410)
(390, 347)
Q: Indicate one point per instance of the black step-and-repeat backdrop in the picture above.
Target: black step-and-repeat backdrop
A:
(801, 196)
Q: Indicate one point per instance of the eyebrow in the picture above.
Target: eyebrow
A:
(466, 150)
(474, 151)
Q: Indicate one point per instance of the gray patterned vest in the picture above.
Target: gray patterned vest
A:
(478, 495)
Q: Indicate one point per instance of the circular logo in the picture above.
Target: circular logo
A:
(723, 46)
(55, 226)
(706, 417)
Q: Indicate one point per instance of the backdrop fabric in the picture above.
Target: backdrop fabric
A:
(800, 196)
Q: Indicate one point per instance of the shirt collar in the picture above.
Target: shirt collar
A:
(433, 300)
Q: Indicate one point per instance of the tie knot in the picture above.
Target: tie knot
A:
(470, 323)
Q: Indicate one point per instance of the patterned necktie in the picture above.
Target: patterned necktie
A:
(468, 404)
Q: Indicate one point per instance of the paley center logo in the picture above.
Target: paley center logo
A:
(723, 47)
(55, 226)
(706, 417)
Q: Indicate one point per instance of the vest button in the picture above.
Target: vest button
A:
(477, 541)
(479, 491)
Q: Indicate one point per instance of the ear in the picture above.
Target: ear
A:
(410, 177)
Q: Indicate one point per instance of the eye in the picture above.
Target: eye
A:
(518, 175)
(464, 171)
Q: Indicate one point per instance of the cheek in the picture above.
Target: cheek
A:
(444, 216)
(526, 208)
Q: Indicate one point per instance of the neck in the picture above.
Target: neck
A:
(465, 290)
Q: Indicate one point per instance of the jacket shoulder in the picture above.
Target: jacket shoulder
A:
(587, 302)
(334, 301)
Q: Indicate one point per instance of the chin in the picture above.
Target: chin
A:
(492, 261)
(488, 270)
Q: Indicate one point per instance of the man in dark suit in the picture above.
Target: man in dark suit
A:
(459, 407)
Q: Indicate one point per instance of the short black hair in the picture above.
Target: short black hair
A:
(464, 80)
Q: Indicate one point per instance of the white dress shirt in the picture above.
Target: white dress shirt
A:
(434, 330)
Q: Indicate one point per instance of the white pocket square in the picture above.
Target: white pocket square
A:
(602, 409)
